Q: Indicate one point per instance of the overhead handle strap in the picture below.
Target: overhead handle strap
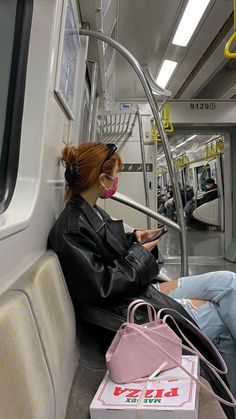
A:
(228, 45)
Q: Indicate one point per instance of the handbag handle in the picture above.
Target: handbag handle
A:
(152, 315)
(198, 330)
(143, 331)
(137, 303)
(133, 303)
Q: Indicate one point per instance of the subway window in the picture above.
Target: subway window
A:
(15, 24)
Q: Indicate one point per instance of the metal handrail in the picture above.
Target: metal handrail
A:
(92, 97)
(155, 88)
(145, 179)
(157, 117)
(141, 208)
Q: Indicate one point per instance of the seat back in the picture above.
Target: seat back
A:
(26, 390)
(208, 213)
(44, 287)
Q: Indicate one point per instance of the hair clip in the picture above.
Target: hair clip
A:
(72, 174)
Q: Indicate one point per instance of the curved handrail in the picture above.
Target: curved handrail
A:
(145, 210)
(157, 117)
(154, 86)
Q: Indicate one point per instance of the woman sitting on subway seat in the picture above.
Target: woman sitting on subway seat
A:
(106, 268)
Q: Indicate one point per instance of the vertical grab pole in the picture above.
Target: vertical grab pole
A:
(157, 117)
(145, 180)
(94, 119)
(92, 97)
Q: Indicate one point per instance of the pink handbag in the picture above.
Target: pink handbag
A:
(136, 351)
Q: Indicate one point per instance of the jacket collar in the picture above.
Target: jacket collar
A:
(96, 222)
(113, 229)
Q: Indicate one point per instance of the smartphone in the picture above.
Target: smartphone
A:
(156, 235)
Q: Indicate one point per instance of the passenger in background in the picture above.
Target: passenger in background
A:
(170, 206)
(210, 194)
(186, 193)
(162, 198)
(106, 268)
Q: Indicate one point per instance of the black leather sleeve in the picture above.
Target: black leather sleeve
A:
(131, 238)
(92, 280)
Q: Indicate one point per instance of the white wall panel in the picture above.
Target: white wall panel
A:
(131, 183)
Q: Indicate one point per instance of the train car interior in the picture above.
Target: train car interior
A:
(157, 82)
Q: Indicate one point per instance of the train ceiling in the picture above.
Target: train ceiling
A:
(146, 28)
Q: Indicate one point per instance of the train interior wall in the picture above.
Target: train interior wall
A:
(38, 196)
(45, 127)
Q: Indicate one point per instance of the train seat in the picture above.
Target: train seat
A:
(44, 287)
(208, 213)
(40, 373)
(26, 390)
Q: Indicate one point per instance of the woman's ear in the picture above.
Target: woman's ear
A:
(101, 181)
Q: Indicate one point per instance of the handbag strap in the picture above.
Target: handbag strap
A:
(143, 331)
(132, 304)
(193, 350)
(224, 369)
(152, 315)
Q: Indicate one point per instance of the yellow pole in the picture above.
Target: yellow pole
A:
(235, 15)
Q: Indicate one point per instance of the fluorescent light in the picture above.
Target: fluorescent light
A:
(165, 72)
(189, 21)
(162, 155)
(188, 139)
(179, 145)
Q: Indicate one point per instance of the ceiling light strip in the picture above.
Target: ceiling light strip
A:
(189, 21)
(165, 72)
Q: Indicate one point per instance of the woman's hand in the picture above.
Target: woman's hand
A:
(143, 235)
(149, 246)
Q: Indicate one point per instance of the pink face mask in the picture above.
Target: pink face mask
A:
(109, 192)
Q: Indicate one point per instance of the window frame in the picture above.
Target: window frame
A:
(15, 101)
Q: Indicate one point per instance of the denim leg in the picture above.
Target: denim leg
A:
(218, 287)
(217, 317)
(208, 319)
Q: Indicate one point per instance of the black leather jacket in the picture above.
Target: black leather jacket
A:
(100, 262)
(103, 266)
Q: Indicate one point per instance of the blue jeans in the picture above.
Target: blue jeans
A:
(216, 318)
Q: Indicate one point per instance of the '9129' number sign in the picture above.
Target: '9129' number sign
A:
(205, 106)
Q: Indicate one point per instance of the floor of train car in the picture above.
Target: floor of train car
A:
(205, 248)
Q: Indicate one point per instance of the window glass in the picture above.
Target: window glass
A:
(7, 28)
(15, 25)
(203, 173)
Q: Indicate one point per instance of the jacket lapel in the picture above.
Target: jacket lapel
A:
(106, 228)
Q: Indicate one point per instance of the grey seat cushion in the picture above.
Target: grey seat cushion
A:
(25, 385)
(44, 287)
